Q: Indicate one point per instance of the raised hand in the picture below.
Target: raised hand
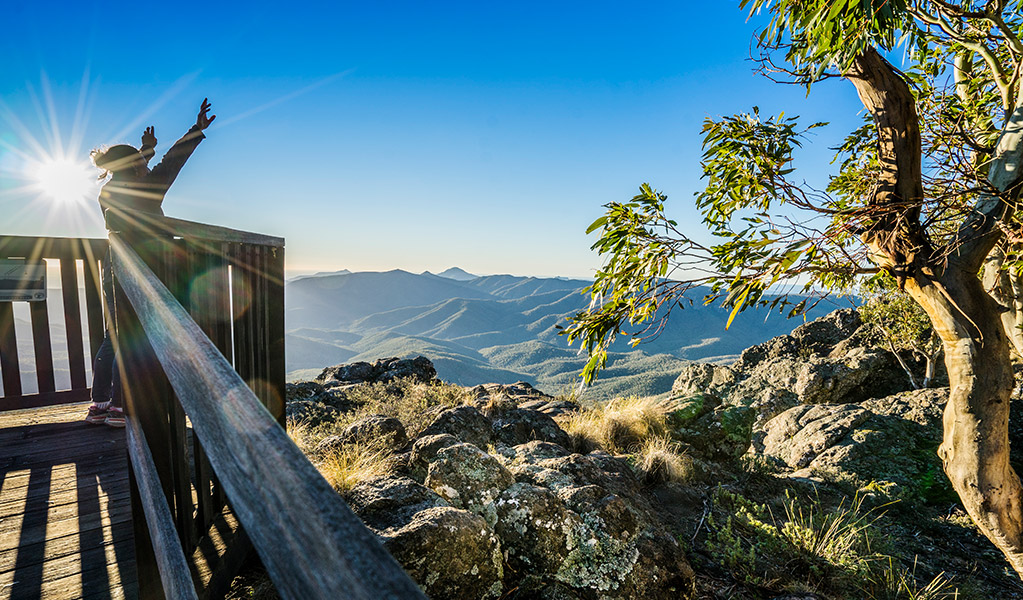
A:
(149, 137)
(202, 121)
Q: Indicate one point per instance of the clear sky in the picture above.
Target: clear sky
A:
(381, 135)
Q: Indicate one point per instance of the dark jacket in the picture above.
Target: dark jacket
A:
(145, 193)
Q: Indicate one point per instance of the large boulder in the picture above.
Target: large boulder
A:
(378, 430)
(703, 378)
(466, 423)
(800, 434)
(711, 429)
(534, 525)
(389, 503)
(311, 413)
(514, 426)
(818, 337)
(313, 404)
(858, 375)
(821, 335)
(451, 553)
(468, 478)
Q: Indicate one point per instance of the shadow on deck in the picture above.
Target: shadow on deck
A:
(65, 507)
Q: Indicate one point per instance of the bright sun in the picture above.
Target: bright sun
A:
(64, 180)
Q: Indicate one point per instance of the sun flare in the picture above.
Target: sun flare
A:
(64, 180)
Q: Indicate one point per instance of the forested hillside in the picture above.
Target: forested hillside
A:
(495, 328)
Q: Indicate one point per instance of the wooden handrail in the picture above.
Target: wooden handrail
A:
(284, 504)
(153, 224)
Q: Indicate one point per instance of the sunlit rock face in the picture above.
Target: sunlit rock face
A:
(827, 361)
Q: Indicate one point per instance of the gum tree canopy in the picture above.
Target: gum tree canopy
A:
(926, 191)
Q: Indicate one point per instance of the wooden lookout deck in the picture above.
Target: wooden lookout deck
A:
(203, 476)
(65, 507)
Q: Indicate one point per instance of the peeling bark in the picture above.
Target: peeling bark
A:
(1005, 287)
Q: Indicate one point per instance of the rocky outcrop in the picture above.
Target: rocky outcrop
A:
(386, 369)
(888, 442)
(825, 361)
(488, 502)
(544, 522)
(491, 396)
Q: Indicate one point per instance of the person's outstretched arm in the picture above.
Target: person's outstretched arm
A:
(148, 147)
(170, 165)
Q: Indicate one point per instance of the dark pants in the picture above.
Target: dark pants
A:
(106, 381)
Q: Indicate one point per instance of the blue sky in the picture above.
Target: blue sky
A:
(381, 135)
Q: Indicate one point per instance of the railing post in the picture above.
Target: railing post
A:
(148, 394)
(139, 395)
(275, 308)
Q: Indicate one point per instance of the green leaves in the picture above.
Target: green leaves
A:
(823, 33)
(745, 162)
(640, 246)
(650, 267)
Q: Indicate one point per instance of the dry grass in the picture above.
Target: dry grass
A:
(352, 464)
(620, 426)
(661, 460)
(496, 405)
(304, 436)
(415, 404)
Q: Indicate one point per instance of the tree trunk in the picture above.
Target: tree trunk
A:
(902, 363)
(975, 446)
(929, 362)
(1004, 286)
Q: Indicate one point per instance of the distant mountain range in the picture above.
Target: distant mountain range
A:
(495, 328)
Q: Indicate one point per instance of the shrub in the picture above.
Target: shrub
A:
(829, 550)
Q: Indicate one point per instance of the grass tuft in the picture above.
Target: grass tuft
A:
(352, 464)
(620, 426)
(661, 460)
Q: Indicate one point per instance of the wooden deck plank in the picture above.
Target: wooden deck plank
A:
(65, 515)
(57, 547)
(63, 479)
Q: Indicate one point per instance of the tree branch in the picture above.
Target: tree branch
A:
(895, 235)
(981, 230)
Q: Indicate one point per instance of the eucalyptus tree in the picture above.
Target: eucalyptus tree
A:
(926, 190)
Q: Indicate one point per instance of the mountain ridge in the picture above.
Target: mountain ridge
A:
(497, 328)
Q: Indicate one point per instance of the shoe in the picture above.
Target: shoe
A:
(115, 417)
(97, 416)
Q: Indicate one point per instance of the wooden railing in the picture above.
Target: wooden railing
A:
(71, 257)
(200, 343)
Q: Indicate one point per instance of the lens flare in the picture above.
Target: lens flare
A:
(64, 180)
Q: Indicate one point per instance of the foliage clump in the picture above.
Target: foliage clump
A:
(661, 460)
(351, 464)
(900, 325)
(811, 547)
